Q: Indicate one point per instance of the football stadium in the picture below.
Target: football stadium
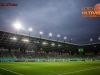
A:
(46, 56)
(49, 37)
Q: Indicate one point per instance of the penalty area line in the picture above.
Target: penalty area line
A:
(11, 71)
(79, 71)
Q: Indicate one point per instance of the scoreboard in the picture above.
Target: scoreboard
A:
(80, 50)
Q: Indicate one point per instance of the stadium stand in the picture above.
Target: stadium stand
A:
(17, 47)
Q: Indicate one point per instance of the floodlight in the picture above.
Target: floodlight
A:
(17, 25)
(52, 44)
(99, 38)
(91, 40)
(30, 29)
(58, 35)
(41, 32)
(13, 38)
(25, 40)
(44, 43)
(50, 34)
(59, 45)
(65, 37)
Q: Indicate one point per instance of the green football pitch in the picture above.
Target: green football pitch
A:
(50, 68)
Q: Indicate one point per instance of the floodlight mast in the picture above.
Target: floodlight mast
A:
(71, 40)
(65, 39)
(41, 33)
(91, 40)
(50, 34)
(30, 30)
(58, 37)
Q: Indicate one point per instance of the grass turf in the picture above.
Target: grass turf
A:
(50, 68)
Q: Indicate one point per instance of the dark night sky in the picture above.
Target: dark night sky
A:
(63, 17)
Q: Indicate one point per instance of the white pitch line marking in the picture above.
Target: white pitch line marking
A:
(11, 71)
(79, 71)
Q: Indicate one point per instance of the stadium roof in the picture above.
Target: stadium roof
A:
(16, 41)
